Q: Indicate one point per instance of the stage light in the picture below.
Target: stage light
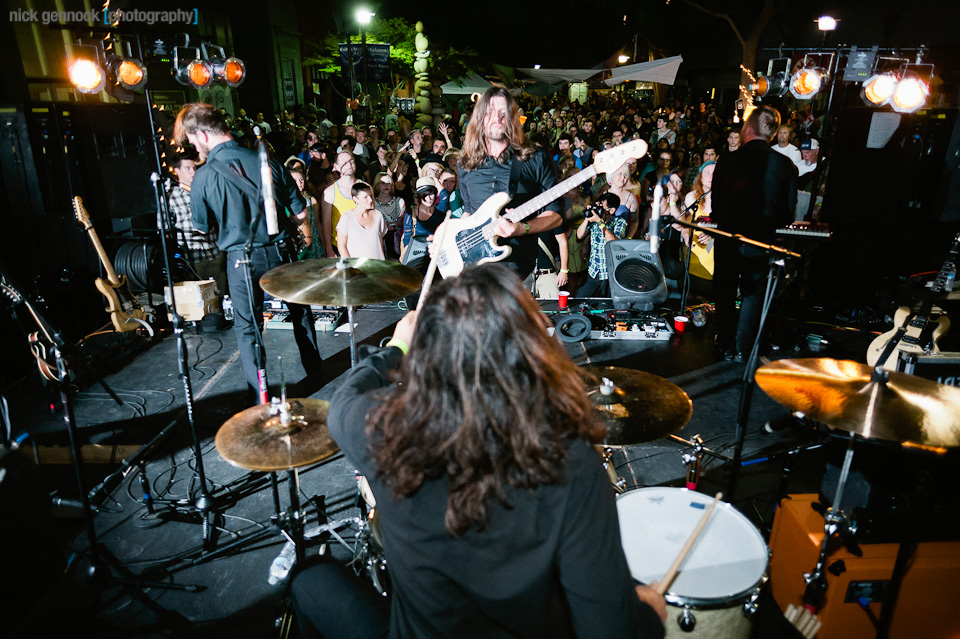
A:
(87, 76)
(911, 94)
(231, 71)
(775, 84)
(130, 73)
(878, 89)
(196, 73)
(826, 23)
(623, 59)
(807, 82)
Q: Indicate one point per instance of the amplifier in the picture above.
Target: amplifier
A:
(943, 368)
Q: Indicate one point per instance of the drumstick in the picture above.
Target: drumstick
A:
(675, 566)
(432, 267)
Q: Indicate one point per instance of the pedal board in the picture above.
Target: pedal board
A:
(647, 330)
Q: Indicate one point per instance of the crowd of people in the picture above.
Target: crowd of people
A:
(468, 424)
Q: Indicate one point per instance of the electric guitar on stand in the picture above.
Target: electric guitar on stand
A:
(125, 310)
(471, 240)
(922, 332)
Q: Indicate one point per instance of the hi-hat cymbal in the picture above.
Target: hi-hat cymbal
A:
(841, 393)
(257, 440)
(321, 281)
(635, 406)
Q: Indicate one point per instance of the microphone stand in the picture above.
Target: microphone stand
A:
(692, 209)
(777, 261)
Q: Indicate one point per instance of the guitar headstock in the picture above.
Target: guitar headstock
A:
(82, 216)
(612, 159)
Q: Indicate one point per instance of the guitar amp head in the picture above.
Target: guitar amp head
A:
(942, 368)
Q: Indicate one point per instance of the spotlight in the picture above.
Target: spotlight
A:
(87, 76)
(879, 88)
(232, 71)
(775, 84)
(130, 73)
(807, 82)
(196, 73)
(911, 94)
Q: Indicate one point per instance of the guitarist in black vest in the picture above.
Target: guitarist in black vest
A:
(225, 194)
(496, 158)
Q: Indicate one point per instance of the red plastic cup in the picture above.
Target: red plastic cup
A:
(680, 323)
(562, 298)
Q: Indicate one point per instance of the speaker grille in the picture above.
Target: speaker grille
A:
(637, 275)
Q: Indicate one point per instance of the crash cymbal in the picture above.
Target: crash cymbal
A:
(841, 393)
(638, 407)
(258, 440)
(320, 281)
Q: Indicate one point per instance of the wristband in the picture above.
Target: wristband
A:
(399, 343)
(526, 228)
(564, 270)
(601, 225)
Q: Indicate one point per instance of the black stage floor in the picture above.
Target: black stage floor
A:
(228, 594)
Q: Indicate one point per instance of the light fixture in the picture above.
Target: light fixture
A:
(231, 71)
(623, 59)
(86, 75)
(807, 82)
(129, 72)
(364, 16)
(910, 94)
(771, 85)
(196, 73)
(879, 88)
(826, 23)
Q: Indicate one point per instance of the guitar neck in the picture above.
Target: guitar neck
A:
(102, 253)
(524, 210)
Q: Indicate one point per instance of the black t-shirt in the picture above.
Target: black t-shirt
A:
(550, 567)
(535, 176)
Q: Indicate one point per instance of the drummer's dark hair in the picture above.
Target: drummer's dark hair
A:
(485, 397)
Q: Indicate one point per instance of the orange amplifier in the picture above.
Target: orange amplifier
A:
(929, 594)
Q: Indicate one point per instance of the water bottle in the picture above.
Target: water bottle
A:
(699, 317)
(281, 566)
(950, 279)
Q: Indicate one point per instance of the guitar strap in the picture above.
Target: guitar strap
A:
(515, 168)
(244, 184)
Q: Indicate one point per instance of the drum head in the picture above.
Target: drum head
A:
(727, 561)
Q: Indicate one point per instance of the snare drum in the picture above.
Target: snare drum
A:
(717, 585)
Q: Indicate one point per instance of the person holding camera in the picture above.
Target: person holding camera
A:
(603, 225)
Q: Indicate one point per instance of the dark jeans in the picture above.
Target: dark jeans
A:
(746, 268)
(247, 321)
(594, 288)
(331, 602)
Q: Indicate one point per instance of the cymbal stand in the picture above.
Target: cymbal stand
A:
(834, 522)
(694, 460)
(342, 265)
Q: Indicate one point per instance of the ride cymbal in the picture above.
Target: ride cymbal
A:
(322, 281)
(635, 406)
(258, 438)
(841, 393)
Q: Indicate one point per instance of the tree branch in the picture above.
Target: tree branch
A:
(722, 15)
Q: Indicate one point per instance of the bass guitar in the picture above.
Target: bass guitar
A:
(922, 332)
(125, 310)
(471, 240)
(41, 342)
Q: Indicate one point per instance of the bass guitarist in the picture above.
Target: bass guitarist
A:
(497, 158)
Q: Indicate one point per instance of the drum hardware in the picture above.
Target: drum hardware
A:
(873, 403)
(346, 282)
(635, 406)
(606, 455)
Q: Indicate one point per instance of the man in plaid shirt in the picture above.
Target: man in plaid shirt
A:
(602, 230)
(203, 254)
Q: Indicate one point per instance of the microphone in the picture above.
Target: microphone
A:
(266, 186)
(654, 230)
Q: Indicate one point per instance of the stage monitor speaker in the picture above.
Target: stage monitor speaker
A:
(636, 275)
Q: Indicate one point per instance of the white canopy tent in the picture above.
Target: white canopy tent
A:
(561, 75)
(471, 83)
(663, 71)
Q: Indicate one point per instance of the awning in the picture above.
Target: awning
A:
(552, 76)
(467, 85)
(663, 71)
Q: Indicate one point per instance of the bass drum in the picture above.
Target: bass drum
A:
(716, 589)
(368, 555)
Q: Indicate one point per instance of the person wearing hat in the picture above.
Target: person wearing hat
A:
(424, 218)
(810, 151)
(810, 154)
